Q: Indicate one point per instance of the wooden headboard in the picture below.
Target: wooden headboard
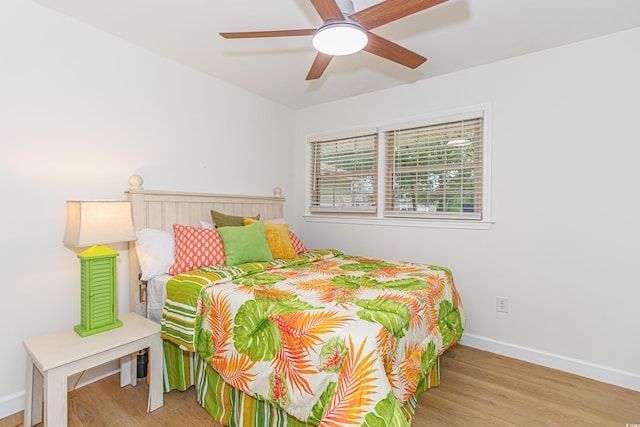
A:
(161, 209)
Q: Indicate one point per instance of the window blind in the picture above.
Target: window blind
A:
(344, 174)
(435, 170)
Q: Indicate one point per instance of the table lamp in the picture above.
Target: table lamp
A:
(94, 224)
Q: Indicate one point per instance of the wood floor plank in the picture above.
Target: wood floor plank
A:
(477, 389)
(496, 390)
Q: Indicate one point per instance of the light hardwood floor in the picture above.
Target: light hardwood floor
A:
(477, 389)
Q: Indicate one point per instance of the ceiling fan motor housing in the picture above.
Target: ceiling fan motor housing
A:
(346, 6)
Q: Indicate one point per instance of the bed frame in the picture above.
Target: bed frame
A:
(161, 209)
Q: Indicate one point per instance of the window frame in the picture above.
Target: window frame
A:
(421, 167)
(368, 142)
(379, 217)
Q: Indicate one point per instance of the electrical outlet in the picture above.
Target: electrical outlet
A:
(502, 304)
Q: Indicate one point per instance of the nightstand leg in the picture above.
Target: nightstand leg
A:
(55, 398)
(33, 394)
(155, 373)
(128, 374)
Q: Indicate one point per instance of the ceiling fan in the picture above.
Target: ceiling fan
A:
(340, 23)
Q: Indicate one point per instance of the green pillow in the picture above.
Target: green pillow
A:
(245, 244)
(224, 220)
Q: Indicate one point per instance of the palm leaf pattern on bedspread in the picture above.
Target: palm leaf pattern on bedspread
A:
(333, 340)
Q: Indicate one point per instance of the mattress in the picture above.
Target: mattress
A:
(156, 296)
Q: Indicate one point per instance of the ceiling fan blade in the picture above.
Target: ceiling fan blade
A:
(319, 65)
(389, 11)
(276, 33)
(328, 9)
(393, 52)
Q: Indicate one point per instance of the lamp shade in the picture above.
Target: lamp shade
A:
(98, 223)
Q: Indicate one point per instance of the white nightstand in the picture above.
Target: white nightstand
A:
(52, 358)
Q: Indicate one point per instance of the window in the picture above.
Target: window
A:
(344, 174)
(434, 171)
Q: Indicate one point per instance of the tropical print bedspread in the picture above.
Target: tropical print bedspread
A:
(179, 317)
(332, 339)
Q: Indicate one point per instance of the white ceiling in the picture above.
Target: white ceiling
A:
(455, 35)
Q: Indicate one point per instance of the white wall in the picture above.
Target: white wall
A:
(81, 111)
(565, 244)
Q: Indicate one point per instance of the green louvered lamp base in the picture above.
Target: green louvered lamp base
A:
(98, 312)
(80, 330)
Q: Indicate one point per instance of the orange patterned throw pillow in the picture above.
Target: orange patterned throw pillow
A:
(196, 248)
(297, 244)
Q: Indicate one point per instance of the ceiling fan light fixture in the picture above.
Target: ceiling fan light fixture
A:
(340, 38)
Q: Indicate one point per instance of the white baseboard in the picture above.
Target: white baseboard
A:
(596, 372)
(13, 403)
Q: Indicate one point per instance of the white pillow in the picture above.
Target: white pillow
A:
(156, 252)
(207, 225)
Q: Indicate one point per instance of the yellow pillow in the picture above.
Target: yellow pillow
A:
(278, 239)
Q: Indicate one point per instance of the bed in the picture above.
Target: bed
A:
(302, 338)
